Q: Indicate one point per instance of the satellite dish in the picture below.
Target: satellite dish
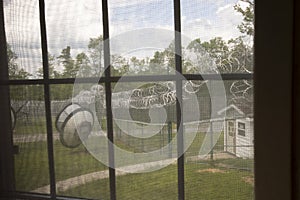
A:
(13, 118)
(74, 124)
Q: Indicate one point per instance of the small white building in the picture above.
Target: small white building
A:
(238, 129)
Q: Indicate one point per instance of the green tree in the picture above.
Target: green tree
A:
(134, 61)
(247, 26)
(195, 45)
(96, 55)
(17, 92)
(216, 47)
(169, 54)
(215, 50)
(235, 55)
(240, 58)
(64, 91)
(13, 69)
(241, 55)
(82, 64)
(52, 72)
(67, 62)
(157, 62)
(138, 66)
(120, 65)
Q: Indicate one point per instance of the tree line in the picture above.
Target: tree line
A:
(231, 56)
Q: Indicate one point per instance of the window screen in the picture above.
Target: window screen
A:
(119, 99)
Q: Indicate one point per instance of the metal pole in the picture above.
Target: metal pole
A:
(142, 138)
(170, 137)
(163, 137)
(211, 142)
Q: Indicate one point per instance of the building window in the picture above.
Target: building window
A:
(241, 129)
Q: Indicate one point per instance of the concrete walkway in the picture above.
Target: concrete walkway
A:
(216, 156)
(24, 138)
(67, 184)
(70, 183)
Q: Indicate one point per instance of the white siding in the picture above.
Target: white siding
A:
(244, 144)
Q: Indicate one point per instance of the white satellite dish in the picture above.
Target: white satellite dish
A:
(74, 124)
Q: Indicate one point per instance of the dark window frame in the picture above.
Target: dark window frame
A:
(272, 54)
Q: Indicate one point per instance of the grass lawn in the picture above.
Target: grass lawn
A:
(139, 145)
(218, 179)
(32, 164)
(31, 126)
(200, 183)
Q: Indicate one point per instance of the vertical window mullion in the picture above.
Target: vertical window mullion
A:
(7, 178)
(47, 99)
(108, 95)
(178, 65)
(273, 105)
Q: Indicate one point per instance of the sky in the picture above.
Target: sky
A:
(74, 22)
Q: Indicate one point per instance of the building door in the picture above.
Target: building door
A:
(231, 137)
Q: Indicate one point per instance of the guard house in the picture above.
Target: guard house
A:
(238, 129)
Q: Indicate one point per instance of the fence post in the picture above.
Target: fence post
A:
(128, 135)
(170, 138)
(142, 137)
(211, 141)
(120, 131)
(163, 135)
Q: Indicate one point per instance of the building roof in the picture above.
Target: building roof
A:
(242, 107)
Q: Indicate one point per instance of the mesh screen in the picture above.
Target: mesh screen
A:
(23, 38)
(74, 38)
(223, 149)
(76, 169)
(216, 108)
(30, 139)
(214, 29)
(138, 30)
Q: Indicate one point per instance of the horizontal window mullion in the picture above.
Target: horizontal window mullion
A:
(38, 196)
(147, 78)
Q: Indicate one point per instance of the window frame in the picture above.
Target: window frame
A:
(273, 179)
(241, 129)
(273, 104)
